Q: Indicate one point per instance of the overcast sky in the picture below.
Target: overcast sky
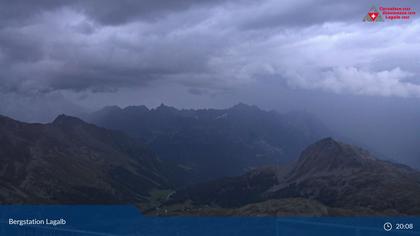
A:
(71, 56)
(92, 53)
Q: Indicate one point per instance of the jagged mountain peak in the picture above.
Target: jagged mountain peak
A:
(67, 120)
(140, 108)
(111, 108)
(244, 107)
(332, 157)
(163, 107)
(328, 142)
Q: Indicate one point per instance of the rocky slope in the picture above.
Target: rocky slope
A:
(70, 161)
(330, 178)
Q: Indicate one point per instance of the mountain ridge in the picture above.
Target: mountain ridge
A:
(329, 155)
(214, 143)
(71, 161)
(361, 185)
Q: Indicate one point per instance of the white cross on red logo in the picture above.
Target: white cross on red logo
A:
(373, 15)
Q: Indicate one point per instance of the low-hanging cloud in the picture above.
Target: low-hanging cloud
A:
(351, 80)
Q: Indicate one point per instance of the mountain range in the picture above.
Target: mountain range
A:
(213, 143)
(236, 161)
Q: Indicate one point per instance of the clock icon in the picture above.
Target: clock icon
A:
(387, 226)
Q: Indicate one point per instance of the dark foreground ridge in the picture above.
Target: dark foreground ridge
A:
(70, 161)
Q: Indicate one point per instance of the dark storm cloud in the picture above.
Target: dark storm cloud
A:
(102, 46)
(65, 50)
(19, 12)
(119, 12)
(16, 47)
(108, 12)
(304, 13)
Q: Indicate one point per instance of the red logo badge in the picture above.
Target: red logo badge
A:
(373, 15)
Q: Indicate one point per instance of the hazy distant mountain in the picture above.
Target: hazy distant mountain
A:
(330, 178)
(70, 161)
(211, 143)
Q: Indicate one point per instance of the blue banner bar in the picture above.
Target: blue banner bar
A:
(128, 220)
